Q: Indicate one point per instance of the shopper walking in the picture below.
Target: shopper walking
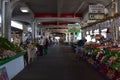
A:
(41, 45)
(46, 46)
(80, 43)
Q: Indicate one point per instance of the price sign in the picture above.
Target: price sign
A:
(93, 16)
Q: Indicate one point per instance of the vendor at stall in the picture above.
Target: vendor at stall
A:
(109, 34)
(109, 37)
(80, 43)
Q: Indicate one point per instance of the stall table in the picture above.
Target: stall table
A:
(13, 64)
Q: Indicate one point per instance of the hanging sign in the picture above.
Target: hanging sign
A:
(96, 12)
(94, 16)
(96, 8)
(73, 27)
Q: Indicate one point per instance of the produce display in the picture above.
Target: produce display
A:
(105, 59)
(8, 49)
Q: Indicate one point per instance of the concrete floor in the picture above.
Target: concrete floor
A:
(59, 64)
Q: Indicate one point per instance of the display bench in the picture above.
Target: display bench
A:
(105, 60)
(13, 64)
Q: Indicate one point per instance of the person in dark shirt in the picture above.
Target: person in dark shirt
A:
(80, 43)
(46, 46)
(109, 35)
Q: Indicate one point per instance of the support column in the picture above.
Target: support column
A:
(41, 30)
(116, 30)
(66, 37)
(74, 36)
(33, 30)
(83, 33)
(25, 29)
(118, 5)
(116, 22)
(69, 36)
(6, 19)
(99, 29)
(36, 30)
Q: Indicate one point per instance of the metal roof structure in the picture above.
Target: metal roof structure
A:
(54, 13)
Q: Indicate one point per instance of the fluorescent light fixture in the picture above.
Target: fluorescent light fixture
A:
(16, 25)
(29, 29)
(24, 9)
(76, 23)
(57, 37)
(39, 23)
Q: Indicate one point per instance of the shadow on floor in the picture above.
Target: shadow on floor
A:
(59, 64)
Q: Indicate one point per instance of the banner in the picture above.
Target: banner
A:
(73, 27)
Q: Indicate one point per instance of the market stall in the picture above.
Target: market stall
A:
(11, 57)
(104, 58)
(13, 65)
(104, 55)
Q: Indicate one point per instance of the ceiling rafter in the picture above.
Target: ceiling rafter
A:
(79, 7)
(59, 7)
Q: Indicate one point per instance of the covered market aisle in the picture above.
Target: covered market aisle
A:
(59, 64)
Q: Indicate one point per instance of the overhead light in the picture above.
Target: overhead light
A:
(39, 23)
(106, 11)
(16, 25)
(24, 9)
(76, 23)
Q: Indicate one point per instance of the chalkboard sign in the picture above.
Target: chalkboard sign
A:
(3, 74)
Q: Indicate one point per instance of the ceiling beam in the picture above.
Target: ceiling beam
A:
(80, 7)
(54, 26)
(59, 8)
(46, 15)
(58, 19)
